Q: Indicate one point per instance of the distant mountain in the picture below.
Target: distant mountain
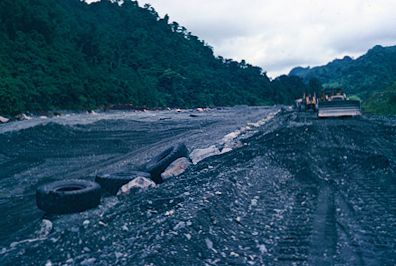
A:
(371, 72)
(66, 54)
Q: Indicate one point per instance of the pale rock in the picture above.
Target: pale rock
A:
(209, 243)
(170, 213)
(263, 249)
(89, 261)
(225, 150)
(23, 117)
(176, 168)
(231, 136)
(3, 119)
(198, 155)
(179, 226)
(139, 183)
(118, 255)
(253, 202)
(234, 254)
(102, 223)
(45, 229)
(199, 109)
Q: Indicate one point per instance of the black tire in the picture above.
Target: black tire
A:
(159, 163)
(113, 182)
(68, 196)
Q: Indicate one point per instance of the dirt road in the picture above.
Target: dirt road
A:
(300, 191)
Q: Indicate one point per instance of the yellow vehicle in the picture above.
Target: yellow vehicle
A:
(334, 103)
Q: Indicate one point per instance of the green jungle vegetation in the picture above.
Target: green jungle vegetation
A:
(383, 102)
(66, 54)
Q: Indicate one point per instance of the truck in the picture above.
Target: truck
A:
(334, 103)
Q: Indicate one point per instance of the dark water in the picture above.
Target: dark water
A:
(300, 191)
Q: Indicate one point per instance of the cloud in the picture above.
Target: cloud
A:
(278, 35)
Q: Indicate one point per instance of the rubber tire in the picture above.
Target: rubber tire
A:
(113, 182)
(68, 196)
(159, 163)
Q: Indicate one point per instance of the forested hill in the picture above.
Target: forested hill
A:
(66, 54)
(371, 72)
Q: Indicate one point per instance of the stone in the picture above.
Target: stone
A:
(3, 119)
(45, 229)
(231, 136)
(176, 168)
(198, 155)
(209, 243)
(139, 183)
(23, 117)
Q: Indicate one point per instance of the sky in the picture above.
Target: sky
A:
(278, 35)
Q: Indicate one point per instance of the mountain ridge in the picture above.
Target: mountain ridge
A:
(371, 72)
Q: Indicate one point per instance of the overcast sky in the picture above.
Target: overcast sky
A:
(280, 34)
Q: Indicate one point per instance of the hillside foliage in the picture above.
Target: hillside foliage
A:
(373, 71)
(66, 54)
(383, 102)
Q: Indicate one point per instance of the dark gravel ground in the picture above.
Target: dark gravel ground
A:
(300, 191)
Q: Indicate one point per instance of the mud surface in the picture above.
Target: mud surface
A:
(299, 191)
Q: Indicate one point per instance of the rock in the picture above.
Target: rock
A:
(263, 249)
(209, 243)
(102, 223)
(179, 226)
(45, 229)
(92, 112)
(231, 136)
(176, 168)
(3, 119)
(225, 150)
(139, 183)
(200, 110)
(229, 146)
(23, 117)
(198, 155)
(89, 261)
(170, 213)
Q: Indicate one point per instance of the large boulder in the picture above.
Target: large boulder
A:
(138, 184)
(3, 120)
(198, 155)
(176, 168)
